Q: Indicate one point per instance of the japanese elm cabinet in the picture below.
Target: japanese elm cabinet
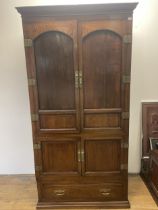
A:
(78, 67)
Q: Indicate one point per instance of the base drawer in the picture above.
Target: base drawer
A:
(101, 192)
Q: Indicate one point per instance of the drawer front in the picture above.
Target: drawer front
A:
(102, 192)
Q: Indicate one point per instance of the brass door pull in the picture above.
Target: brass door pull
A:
(82, 155)
(80, 79)
(79, 156)
(105, 192)
(59, 192)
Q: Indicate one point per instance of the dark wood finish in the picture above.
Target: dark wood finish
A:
(59, 121)
(101, 51)
(154, 171)
(104, 192)
(151, 178)
(150, 129)
(60, 156)
(149, 163)
(55, 71)
(76, 64)
(73, 10)
(101, 121)
(149, 124)
(102, 156)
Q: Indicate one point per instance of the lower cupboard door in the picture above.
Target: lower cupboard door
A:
(101, 156)
(60, 157)
(93, 192)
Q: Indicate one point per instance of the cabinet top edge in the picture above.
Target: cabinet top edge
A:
(83, 9)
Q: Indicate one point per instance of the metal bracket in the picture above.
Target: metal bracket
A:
(34, 117)
(38, 168)
(124, 166)
(125, 115)
(36, 146)
(124, 145)
(130, 18)
(31, 82)
(127, 39)
(126, 79)
(28, 42)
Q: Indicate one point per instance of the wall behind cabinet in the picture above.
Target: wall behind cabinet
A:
(16, 154)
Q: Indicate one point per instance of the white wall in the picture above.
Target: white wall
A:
(16, 153)
(144, 85)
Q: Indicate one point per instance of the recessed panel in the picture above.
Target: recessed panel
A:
(55, 71)
(58, 121)
(101, 53)
(102, 155)
(60, 156)
(109, 120)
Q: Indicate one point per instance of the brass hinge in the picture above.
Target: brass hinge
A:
(38, 168)
(31, 82)
(130, 18)
(28, 42)
(124, 166)
(127, 38)
(34, 117)
(125, 115)
(126, 79)
(124, 145)
(36, 146)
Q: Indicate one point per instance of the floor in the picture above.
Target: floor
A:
(19, 193)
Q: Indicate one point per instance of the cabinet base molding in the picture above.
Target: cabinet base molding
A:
(72, 205)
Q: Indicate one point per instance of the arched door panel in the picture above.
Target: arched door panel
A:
(101, 69)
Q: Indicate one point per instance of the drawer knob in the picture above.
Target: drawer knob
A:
(59, 192)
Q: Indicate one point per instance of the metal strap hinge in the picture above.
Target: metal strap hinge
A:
(124, 145)
(127, 39)
(130, 18)
(125, 115)
(124, 166)
(38, 168)
(126, 79)
(31, 82)
(34, 117)
(28, 42)
(36, 146)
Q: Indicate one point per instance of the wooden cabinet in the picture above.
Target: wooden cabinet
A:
(149, 162)
(152, 181)
(78, 67)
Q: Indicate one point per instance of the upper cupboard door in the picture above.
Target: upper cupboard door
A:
(55, 62)
(101, 67)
